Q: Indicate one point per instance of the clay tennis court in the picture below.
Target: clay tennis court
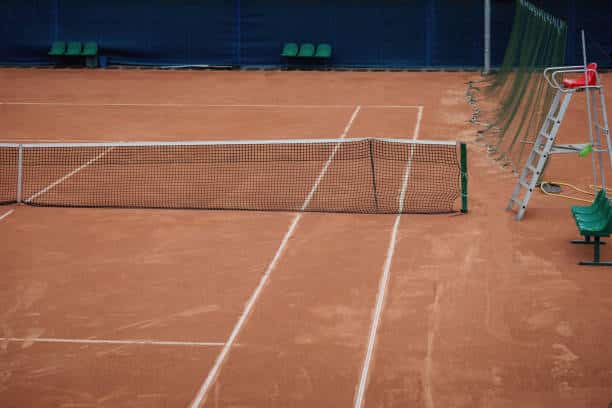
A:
(188, 308)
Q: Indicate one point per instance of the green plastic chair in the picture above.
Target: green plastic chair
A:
(601, 203)
(57, 48)
(323, 51)
(597, 226)
(307, 50)
(596, 223)
(594, 217)
(90, 49)
(74, 48)
(290, 50)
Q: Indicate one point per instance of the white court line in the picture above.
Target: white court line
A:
(384, 279)
(202, 105)
(435, 324)
(62, 141)
(67, 176)
(6, 214)
(331, 157)
(212, 374)
(102, 341)
(417, 126)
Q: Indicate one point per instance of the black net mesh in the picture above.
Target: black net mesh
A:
(9, 157)
(357, 176)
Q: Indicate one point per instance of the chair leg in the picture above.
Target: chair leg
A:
(585, 241)
(596, 256)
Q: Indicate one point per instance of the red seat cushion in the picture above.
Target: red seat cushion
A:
(579, 81)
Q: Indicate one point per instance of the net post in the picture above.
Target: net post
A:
(371, 142)
(464, 178)
(19, 172)
(487, 37)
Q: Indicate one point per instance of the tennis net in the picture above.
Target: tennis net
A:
(331, 175)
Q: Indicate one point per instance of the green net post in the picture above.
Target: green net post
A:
(464, 178)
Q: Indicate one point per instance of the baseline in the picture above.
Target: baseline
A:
(205, 105)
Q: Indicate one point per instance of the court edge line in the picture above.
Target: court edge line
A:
(214, 371)
(6, 214)
(103, 341)
(206, 105)
(67, 176)
(384, 279)
(434, 325)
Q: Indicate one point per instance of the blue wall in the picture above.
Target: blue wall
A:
(390, 33)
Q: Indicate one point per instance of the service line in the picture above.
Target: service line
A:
(103, 341)
(214, 372)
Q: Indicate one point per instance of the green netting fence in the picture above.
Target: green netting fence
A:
(510, 104)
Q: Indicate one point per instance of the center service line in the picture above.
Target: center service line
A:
(214, 372)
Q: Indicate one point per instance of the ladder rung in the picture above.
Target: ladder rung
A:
(544, 135)
(532, 169)
(525, 185)
(539, 151)
(552, 118)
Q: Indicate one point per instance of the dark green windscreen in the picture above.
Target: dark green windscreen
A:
(510, 104)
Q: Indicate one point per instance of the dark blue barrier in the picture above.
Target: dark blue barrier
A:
(369, 33)
(158, 32)
(362, 33)
(26, 30)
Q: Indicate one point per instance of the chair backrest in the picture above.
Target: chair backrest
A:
(592, 73)
(290, 49)
(58, 46)
(323, 50)
(579, 81)
(601, 196)
(306, 50)
(90, 49)
(602, 202)
(608, 225)
(74, 46)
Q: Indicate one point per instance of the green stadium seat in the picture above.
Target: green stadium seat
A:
(323, 51)
(594, 221)
(74, 49)
(90, 52)
(307, 50)
(290, 50)
(90, 49)
(600, 203)
(57, 48)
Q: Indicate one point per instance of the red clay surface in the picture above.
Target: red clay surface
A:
(481, 311)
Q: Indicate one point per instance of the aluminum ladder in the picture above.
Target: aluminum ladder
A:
(544, 146)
